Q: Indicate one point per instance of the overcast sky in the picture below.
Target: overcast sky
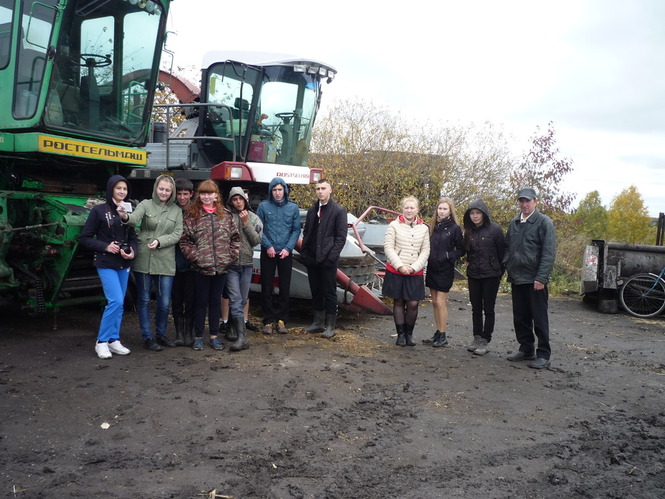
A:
(593, 67)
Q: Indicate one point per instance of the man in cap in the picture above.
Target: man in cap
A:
(529, 258)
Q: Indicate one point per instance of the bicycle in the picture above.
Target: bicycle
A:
(643, 295)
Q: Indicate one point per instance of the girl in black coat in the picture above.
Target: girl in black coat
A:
(115, 245)
(484, 242)
(446, 248)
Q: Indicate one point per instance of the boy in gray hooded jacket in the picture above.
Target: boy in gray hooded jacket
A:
(239, 276)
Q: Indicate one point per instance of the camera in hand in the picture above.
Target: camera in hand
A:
(125, 247)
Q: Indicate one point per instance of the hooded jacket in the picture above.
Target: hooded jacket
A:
(162, 222)
(485, 245)
(531, 249)
(251, 234)
(281, 220)
(103, 227)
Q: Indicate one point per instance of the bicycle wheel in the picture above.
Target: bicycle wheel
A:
(643, 295)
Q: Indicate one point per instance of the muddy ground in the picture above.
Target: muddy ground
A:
(297, 416)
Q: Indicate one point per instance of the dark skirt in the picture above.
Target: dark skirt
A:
(404, 287)
(440, 280)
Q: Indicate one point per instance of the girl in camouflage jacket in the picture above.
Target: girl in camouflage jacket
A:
(210, 242)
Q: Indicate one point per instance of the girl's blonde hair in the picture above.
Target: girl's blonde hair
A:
(408, 199)
(453, 213)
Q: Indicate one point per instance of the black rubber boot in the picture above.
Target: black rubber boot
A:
(441, 342)
(241, 342)
(179, 323)
(231, 330)
(408, 333)
(188, 332)
(330, 323)
(401, 338)
(318, 325)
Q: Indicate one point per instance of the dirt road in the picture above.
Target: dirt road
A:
(297, 416)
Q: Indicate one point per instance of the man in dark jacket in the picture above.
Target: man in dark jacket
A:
(281, 229)
(324, 238)
(531, 249)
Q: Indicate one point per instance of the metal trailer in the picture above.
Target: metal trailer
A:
(607, 266)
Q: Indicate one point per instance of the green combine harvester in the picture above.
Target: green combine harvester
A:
(77, 81)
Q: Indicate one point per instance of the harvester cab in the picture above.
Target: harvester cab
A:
(252, 121)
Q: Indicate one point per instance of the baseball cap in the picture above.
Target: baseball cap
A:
(527, 193)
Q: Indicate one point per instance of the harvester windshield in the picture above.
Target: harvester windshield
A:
(104, 56)
(268, 108)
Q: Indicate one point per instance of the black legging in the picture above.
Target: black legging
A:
(405, 311)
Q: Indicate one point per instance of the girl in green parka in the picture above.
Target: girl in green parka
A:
(160, 219)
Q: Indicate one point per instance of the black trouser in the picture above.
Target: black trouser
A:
(280, 311)
(323, 285)
(182, 295)
(529, 317)
(208, 297)
(482, 294)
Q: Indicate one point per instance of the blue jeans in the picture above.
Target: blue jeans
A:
(164, 284)
(238, 280)
(114, 283)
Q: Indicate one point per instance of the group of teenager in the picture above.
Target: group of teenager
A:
(421, 255)
(197, 253)
(194, 250)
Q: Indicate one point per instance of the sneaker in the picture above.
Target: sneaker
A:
(475, 343)
(483, 347)
(102, 350)
(267, 328)
(198, 343)
(281, 327)
(117, 347)
(216, 343)
(151, 344)
(224, 327)
(539, 363)
(251, 327)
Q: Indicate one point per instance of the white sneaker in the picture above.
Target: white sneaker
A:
(103, 351)
(117, 347)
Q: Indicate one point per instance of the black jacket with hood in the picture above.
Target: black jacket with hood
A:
(485, 245)
(103, 227)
